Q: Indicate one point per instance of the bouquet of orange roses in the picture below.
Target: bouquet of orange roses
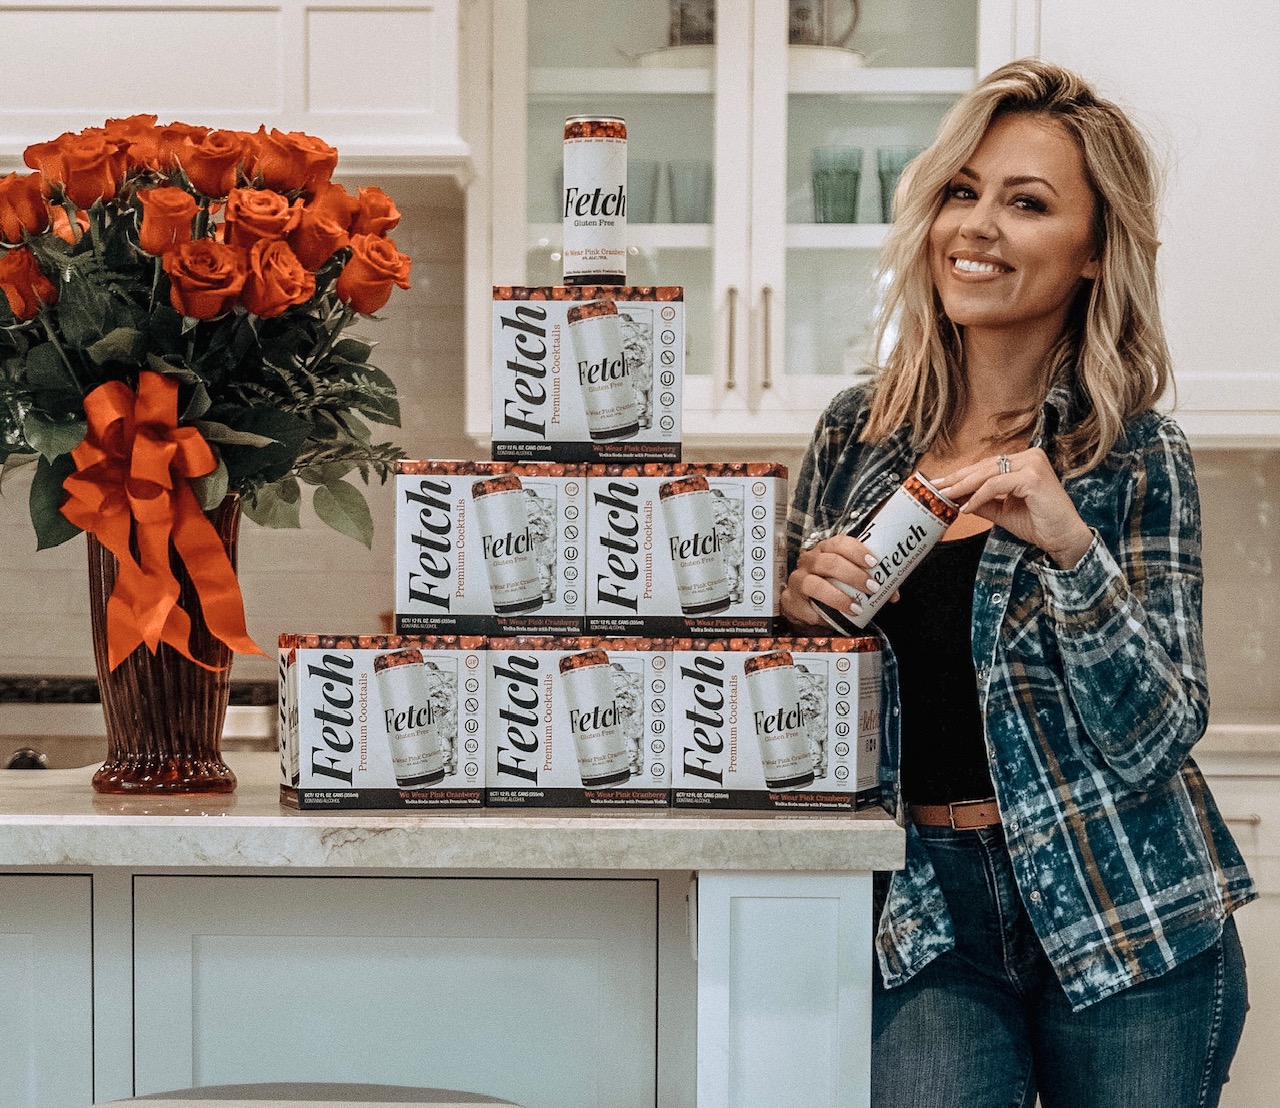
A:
(218, 268)
(172, 330)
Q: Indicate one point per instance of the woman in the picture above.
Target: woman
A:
(1062, 924)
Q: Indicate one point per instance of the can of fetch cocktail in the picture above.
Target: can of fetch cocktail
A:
(595, 200)
(900, 534)
(586, 678)
(508, 544)
(608, 396)
(773, 690)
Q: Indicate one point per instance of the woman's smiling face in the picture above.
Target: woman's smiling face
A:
(1015, 235)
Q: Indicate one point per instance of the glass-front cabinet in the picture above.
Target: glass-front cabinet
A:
(763, 139)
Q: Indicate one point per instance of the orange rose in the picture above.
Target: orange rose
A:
(210, 161)
(86, 165)
(378, 213)
(277, 279)
(174, 141)
(317, 238)
(46, 159)
(205, 277)
(24, 284)
(166, 218)
(336, 203)
(254, 214)
(293, 161)
(22, 206)
(139, 137)
(365, 282)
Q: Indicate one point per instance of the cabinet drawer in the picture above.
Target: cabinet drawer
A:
(543, 992)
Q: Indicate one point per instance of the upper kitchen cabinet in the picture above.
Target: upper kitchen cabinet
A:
(734, 110)
(1202, 79)
(378, 79)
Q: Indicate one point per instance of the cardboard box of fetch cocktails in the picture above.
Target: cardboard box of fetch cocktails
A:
(490, 548)
(578, 722)
(775, 723)
(587, 373)
(685, 550)
(382, 721)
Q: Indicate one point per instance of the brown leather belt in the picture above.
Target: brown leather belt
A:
(964, 815)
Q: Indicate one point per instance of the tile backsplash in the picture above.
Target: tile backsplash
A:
(319, 581)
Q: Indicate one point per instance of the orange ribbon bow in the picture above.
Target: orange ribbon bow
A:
(131, 490)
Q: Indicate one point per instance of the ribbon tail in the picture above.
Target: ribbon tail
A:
(123, 636)
(212, 574)
(154, 592)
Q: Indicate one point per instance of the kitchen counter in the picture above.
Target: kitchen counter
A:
(54, 818)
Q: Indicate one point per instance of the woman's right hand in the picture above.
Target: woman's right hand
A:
(835, 558)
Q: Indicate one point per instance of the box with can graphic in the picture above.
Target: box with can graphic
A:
(587, 373)
(578, 722)
(490, 548)
(775, 723)
(685, 550)
(382, 721)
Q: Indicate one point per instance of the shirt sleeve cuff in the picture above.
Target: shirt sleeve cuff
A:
(1076, 590)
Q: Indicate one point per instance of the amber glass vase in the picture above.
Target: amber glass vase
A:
(164, 713)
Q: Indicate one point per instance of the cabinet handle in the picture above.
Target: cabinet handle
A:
(731, 375)
(766, 298)
(1252, 820)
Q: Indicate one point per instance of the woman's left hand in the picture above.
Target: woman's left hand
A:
(1021, 493)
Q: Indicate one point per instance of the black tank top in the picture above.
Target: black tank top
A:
(944, 755)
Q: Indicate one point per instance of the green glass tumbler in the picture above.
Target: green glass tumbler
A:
(891, 161)
(836, 173)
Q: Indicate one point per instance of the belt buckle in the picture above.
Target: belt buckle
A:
(957, 805)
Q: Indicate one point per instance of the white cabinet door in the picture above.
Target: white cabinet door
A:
(293, 64)
(542, 992)
(1203, 81)
(46, 982)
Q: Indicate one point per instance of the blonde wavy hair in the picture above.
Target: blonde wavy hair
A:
(1113, 347)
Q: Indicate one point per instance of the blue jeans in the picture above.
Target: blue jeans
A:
(988, 1026)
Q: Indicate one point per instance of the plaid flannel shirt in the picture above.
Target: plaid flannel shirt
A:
(1093, 690)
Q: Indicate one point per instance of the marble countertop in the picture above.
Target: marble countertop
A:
(55, 818)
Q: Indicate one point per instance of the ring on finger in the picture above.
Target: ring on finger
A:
(1003, 464)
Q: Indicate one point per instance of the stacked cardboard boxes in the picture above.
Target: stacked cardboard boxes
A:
(584, 620)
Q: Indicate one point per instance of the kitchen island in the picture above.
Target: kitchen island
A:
(556, 958)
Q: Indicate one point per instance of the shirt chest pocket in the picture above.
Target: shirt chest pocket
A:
(1027, 635)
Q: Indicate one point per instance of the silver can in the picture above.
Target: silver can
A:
(415, 717)
(509, 550)
(608, 393)
(702, 581)
(595, 200)
(900, 534)
(774, 693)
(595, 718)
